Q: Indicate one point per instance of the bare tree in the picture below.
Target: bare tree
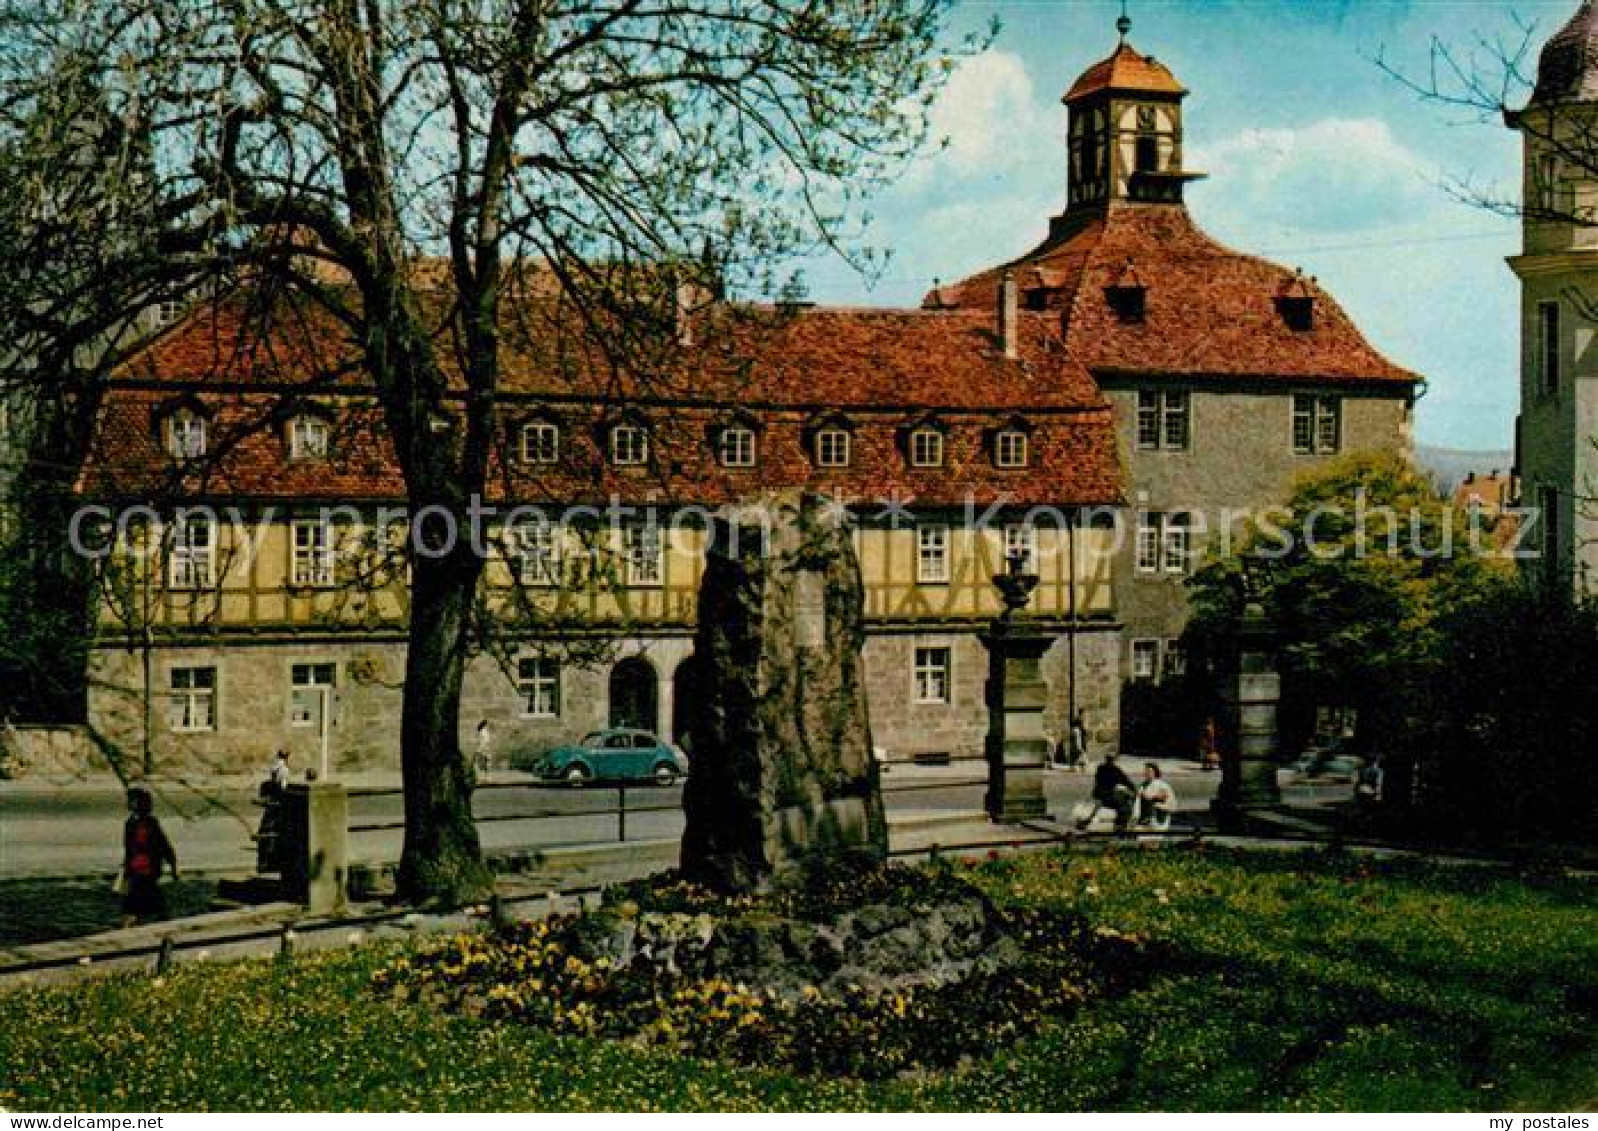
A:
(584, 162)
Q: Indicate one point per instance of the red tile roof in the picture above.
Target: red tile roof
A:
(1126, 70)
(883, 370)
(1209, 311)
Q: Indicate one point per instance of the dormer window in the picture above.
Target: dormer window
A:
(540, 442)
(926, 447)
(629, 445)
(832, 447)
(1127, 295)
(1296, 302)
(1010, 449)
(308, 438)
(735, 446)
(185, 435)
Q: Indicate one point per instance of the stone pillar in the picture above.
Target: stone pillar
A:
(1017, 748)
(315, 850)
(1251, 693)
(783, 775)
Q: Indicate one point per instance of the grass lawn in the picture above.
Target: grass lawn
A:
(1298, 983)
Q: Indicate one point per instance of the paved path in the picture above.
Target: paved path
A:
(64, 829)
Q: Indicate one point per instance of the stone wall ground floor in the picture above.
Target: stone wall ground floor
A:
(224, 708)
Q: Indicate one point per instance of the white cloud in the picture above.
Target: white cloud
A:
(989, 120)
(1332, 175)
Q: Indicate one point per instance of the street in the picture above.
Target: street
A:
(77, 830)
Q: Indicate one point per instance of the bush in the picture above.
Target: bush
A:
(1510, 731)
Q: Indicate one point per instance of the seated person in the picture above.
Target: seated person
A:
(1112, 789)
(1156, 800)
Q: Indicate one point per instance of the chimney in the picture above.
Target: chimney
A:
(683, 308)
(1009, 315)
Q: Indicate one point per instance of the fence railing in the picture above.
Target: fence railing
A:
(620, 808)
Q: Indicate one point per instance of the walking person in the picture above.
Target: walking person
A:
(1079, 740)
(485, 743)
(1209, 747)
(145, 852)
(269, 837)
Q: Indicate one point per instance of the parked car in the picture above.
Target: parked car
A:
(618, 755)
(1331, 761)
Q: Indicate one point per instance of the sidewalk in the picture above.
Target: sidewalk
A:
(560, 878)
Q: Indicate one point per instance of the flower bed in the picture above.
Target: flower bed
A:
(864, 972)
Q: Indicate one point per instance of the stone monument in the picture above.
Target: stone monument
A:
(1017, 748)
(782, 766)
(1251, 692)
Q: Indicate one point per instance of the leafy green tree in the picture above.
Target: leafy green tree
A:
(611, 155)
(1360, 563)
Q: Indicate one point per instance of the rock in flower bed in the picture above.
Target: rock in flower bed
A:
(866, 971)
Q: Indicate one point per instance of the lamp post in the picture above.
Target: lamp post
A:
(1017, 749)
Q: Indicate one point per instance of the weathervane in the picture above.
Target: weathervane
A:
(1124, 24)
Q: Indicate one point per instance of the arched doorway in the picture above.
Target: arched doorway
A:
(634, 695)
(687, 686)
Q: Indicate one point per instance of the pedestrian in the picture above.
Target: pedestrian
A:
(277, 774)
(269, 837)
(1368, 786)
(1079, 740)
(1156, 800)
(145, 852)
(485, 742)
(1209, 747)
(1112, 789)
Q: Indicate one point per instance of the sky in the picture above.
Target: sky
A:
(1316, 159)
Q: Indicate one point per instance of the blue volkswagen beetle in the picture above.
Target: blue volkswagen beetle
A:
(618, 754)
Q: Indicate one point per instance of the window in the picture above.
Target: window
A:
(832, 447)
(1164, 543)
(932, 555)
(313, 553)
(926, 448)
(736, 447)
(1010, 448)
(1145, 659)
(1545, 188)
(1148, 154)
(185, 435)
(646, 555)
(1176, 544)
(310, 694)
(538, 554)
(1548, 346)
(1022, 538)
(538, 681)
(193, 559)
(167, 311)
(1317, 425)
(540, 442)
(932, 675)
(1163, 420)
(192, 705)
(629, 445)
(1548, 504)
(308, 438)
(1175, 659)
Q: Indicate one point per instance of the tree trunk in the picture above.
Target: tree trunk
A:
(442, 863)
